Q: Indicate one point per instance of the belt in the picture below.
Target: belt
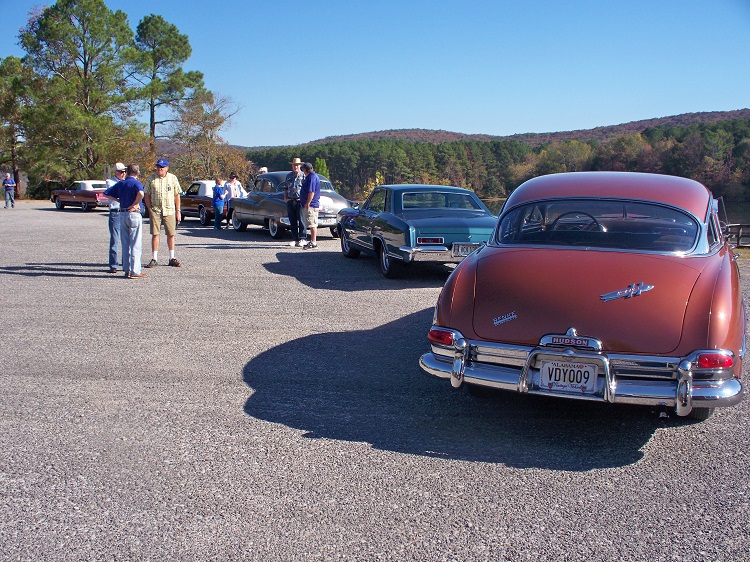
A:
(125, 211)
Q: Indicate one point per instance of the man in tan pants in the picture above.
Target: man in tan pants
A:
(163, 201)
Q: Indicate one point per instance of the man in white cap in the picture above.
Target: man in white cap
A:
(114, 220)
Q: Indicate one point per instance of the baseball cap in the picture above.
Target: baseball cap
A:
(162, 163)
(120, 167)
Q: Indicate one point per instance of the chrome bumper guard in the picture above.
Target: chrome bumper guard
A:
(624, 379)
(438, 254)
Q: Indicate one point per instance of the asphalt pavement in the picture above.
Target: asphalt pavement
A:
(264, 402)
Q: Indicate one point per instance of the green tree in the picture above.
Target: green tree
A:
(321, 167)
(76, 48)
(15, 81)
(203, 153)
(569, 156)
(161, 52)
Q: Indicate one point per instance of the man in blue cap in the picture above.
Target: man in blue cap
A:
(163, 201)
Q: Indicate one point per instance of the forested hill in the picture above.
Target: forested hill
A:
(537, 139)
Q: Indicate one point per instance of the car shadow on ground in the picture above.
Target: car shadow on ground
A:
(322, 269)
(366, 386)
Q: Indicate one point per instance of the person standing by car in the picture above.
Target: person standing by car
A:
(163, 201)
(129, 192)
(310, 199)
(114, 219)
(233, 188)
(10, 191)
(218, 202)
(292, 188)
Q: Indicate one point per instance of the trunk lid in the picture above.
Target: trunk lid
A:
(524, 294)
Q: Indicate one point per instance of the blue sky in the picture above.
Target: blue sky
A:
(301, 71)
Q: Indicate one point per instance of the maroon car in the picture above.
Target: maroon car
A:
(608, 286)
(86, 194)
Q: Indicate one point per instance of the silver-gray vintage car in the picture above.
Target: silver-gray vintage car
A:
(264, 205)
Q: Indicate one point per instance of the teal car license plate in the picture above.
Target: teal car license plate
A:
(462, 250)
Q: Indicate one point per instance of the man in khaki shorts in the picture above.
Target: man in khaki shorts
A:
(162, 196)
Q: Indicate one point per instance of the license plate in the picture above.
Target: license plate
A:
(564, 376)
(326, 222)
(464, 249)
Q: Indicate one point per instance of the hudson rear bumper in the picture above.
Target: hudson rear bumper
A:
(683, 391)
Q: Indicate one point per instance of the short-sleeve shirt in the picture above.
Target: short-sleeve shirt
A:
(310, 185)
(162, 191)
(294, 184)
(126, 191)
(9, 184)
(217, 200)
(113, 205)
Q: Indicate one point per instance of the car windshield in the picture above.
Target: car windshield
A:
(617, 224)
(439, 200)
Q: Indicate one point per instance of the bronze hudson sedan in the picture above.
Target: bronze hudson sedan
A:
(605, 286)
(264, 205)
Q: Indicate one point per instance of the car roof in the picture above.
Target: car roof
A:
(671, 190)
(278, 176)
(425, 187)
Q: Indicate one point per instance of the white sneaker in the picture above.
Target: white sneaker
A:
(310, 246)
(293, 243)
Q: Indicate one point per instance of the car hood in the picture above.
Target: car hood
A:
(332, 201)
(524, 294)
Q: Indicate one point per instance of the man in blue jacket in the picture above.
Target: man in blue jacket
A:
(130, 194)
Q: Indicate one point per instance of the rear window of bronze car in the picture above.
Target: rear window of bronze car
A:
(624, 225)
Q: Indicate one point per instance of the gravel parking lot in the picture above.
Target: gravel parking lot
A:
(265, 403)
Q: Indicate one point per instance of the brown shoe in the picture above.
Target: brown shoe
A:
(137, 275)
(112, 270)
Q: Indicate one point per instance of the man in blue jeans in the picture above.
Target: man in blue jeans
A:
(10, 191)
(292, 188)
(130, 194)
(114, 219)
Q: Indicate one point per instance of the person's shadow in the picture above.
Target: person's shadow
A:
(367, 386)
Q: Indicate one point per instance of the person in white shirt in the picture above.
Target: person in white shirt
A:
(232, 188)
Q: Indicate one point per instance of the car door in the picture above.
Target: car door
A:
(256, 200)
(368, 222)
(273, 206)
(70, 195)
(188, 201)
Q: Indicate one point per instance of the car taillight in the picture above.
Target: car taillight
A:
(440, 337)
(715, 361)
(425, 240)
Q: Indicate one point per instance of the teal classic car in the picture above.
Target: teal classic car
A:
(407, 223)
